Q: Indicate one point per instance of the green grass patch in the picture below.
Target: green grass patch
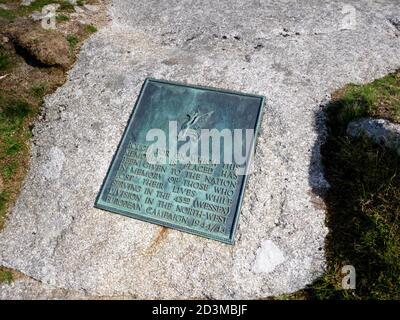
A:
(7, 14)
(72, 40)
(66, 6)
(14, 133)
(363, 203)
(62, 18)
(90, 28)
(39, 90)
(13, 111)
(10, 169)
(11, 146)
(5, 60)
(380, 98)
(6, 276)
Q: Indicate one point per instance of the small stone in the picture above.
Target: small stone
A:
(78, 9)
(36, 16)
(47, 12)
(269, 256)
(378, 130)
(91, 7)
(3, 6)
(26, 2)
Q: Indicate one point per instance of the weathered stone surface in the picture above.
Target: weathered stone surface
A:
(294, 53)
(380, 131)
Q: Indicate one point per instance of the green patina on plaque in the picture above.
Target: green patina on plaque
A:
(200, 194)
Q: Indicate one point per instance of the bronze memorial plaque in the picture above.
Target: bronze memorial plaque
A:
(183, 159)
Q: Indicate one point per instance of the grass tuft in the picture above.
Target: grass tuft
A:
(72, 40)
(6, 276)
(5, 60)
(7, 14)
(15, 111)
(62, 18)
(10, 169)
(38, 91)
(89, 28)
(380, 98)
